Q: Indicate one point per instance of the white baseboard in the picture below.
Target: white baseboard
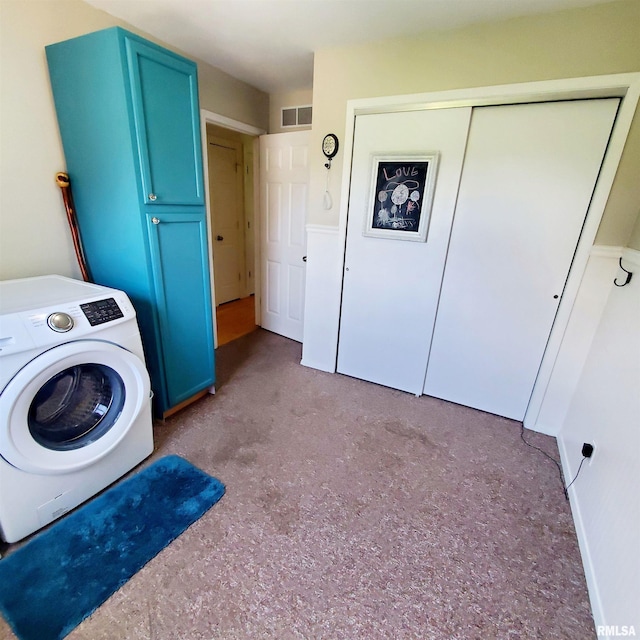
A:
(320, 366)
(583, 541)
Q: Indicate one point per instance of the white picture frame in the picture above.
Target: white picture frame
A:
(401, 196)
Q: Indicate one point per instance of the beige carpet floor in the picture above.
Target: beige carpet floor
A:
(354, 511)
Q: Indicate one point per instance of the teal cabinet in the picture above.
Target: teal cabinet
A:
(128, 115)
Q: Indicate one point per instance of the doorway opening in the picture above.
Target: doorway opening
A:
(256, 188)
(235, 319)
(231, 175)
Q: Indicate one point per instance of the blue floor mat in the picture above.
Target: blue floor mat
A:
(62, 575)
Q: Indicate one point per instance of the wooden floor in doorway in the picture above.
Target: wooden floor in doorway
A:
(235, 319)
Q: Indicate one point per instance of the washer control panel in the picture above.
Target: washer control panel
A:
(101, 311)
(45, 311)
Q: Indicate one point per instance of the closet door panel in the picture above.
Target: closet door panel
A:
(391, 285)
(528, 177)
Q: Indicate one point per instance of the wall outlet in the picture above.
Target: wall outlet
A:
(589, 450)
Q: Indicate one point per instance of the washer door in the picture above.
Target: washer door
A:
(71, 406)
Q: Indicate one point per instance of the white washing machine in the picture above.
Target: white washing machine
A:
(75, 410)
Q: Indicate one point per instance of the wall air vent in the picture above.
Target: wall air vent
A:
(296, 116)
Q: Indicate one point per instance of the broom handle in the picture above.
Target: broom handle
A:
(62, 180)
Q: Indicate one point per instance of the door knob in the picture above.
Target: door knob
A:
(219, 238)
(153, 197)
(155, 220)
(304, 258)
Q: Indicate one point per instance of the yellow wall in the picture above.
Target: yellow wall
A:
(634, 242)
(279, 101)
(575, 43)
(227, 96)
(34, 236)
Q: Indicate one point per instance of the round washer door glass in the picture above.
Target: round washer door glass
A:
(72, 405)
(76, 406)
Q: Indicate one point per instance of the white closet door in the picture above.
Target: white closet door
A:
(391, 286)
(528, 177)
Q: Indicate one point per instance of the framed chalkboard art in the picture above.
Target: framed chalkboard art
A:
(401, 196)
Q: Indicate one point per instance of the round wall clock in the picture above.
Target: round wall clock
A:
(330, 145)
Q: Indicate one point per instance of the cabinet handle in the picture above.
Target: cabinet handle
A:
(219, 238)
(153, 197)
(155, 220)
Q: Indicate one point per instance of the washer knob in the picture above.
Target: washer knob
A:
(60, 322)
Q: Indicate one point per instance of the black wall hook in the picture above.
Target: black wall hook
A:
(629, 276)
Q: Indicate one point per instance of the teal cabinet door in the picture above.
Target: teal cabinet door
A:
(164, 90)
(178, 248)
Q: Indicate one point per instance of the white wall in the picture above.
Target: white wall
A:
(590, 302)
(605, 411)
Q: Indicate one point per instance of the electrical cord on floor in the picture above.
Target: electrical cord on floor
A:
(533, 446)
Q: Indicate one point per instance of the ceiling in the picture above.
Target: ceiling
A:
(270, 43)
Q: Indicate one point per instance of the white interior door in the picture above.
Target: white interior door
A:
(226, 188)
(528, 177)
(284, 185)
(391, 285)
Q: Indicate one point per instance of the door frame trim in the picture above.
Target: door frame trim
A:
(209, 117)
(625, 86)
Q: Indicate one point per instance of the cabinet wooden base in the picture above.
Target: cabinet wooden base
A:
(185, 403)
